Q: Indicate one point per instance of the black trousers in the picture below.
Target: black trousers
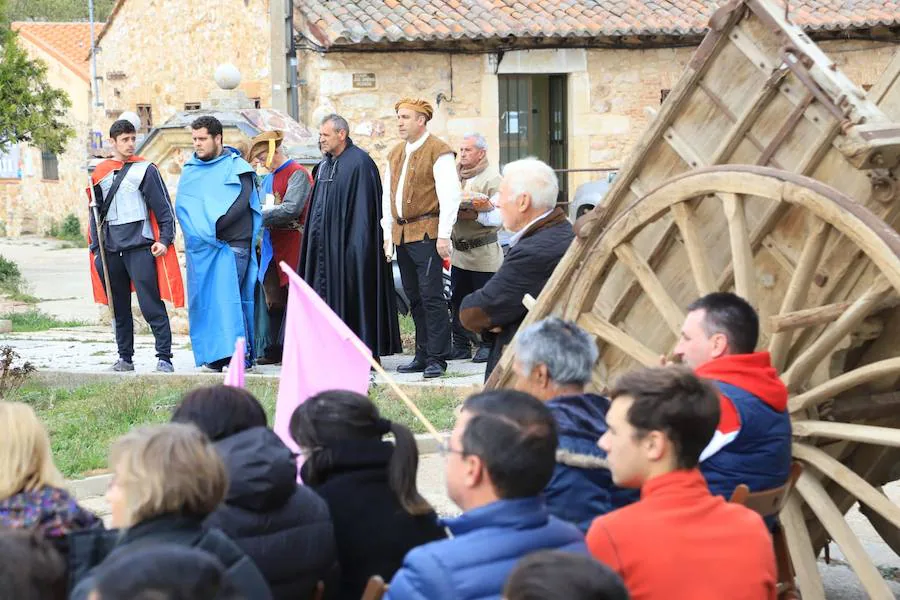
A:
(421, 271)
(462, 283)
(136, 266)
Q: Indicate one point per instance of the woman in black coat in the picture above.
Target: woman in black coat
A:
(369, 484)
(166, 480)
(284, 527)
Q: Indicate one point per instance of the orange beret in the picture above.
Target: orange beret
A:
(416, 104)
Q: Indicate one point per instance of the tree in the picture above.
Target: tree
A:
(31, 110)
(58, 10)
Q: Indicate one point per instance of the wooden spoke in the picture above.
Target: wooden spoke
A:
(653, 288)
(821, 504)
(741, 250)
(844, 382)
(821, 315)
(803, 367)
(867, 434)
(798, 287)
(800, 546)
(613, 335)
(703, 275)
(849, 480)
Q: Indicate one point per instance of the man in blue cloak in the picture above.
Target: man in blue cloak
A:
(217, 206)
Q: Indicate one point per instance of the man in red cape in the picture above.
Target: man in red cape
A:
(138, 233)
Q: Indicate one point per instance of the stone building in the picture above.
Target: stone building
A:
(37, 188)
(567, 81)
(157, 57)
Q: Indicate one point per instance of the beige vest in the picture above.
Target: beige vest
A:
(420, 201)
(488, 258)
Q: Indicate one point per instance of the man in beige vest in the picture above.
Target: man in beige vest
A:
(420, 202)
(476, 250)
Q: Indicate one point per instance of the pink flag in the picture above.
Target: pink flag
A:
(235, 375)
(320, 353)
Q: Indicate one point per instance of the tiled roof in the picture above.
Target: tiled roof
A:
(69, 43)
(348, 22)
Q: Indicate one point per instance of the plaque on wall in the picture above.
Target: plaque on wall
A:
(364, 80)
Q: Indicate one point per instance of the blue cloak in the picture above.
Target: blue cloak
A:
(218, 315)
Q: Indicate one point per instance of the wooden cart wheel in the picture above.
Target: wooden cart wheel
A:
(824, 274)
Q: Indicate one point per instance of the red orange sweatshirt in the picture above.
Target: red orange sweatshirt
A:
(678, 542)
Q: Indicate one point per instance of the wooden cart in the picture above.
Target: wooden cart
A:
(770, 173)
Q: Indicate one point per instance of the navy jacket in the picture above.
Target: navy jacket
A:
(283, 527)
(581, 488)
(487, 543)
(168, 529)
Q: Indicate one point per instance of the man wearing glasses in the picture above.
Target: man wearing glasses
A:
(500, 457)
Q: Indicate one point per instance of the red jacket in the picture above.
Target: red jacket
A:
(679, 542)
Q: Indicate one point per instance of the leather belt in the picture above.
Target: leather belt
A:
(476, 243)
(426, 217)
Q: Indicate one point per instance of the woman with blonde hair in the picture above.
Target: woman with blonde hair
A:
(31, 487)
(166, 480)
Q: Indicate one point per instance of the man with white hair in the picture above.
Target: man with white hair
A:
(476, 250)
(554, 363)
(541, 235)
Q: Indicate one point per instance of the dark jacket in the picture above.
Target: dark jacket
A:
(526, 268)
(283, 527)
(581, 488)
(170, 529)
(129, 236)
(372, 530)
(487, 543)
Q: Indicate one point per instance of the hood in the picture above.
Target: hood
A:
(751, 372)
(580, 415)
(262, 471)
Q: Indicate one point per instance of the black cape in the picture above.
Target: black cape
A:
(341, 256)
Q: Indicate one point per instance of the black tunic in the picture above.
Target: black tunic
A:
(342, 257)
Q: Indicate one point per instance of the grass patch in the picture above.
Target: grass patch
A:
(12, 284)
(36, 320)
(69, 231)
(407, 334)
(84, 421)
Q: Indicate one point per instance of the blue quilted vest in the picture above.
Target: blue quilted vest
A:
(760, 456)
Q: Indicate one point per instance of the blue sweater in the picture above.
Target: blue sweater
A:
(486, 544)
(581, 488)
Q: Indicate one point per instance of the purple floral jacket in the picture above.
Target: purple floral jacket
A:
(50, 510)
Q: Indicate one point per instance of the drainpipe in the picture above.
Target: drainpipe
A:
(291, 58)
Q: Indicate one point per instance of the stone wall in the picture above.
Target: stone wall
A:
(469, 103)
(164, 53)
(608, 91)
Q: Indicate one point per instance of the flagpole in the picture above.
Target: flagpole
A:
(364, 350)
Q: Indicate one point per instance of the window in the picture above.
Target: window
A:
(191, 106)
(9, 162)
(257, 102)
(145, 112)
(49, 166)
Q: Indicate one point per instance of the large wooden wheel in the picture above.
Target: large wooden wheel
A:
(824, 274)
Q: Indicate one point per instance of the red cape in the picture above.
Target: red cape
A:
(168, 272)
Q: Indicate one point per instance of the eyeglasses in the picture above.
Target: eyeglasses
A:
(445, 450)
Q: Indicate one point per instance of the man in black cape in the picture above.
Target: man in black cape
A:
(341, 256)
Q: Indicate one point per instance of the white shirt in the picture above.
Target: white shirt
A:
(446, 183)
(518, 235)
